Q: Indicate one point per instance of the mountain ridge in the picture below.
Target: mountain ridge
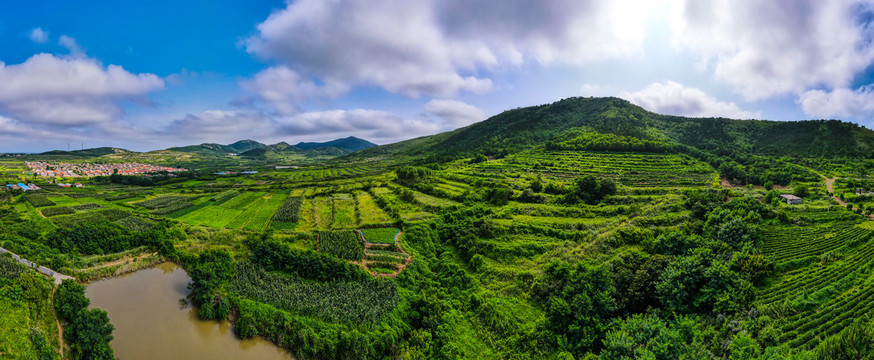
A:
(350, 143)
(533, 126)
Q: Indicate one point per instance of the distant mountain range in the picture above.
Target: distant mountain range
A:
(246, 148)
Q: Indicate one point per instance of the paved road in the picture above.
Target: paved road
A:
(58, 277)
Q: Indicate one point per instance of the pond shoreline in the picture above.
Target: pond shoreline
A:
(151, 321)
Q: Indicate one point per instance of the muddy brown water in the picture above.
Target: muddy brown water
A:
(150, 322)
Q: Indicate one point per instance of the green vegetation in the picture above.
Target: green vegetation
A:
(359, 302)
(586, 228)
(342, 244)
(28, 321)
(39, 200)
(55, 211)
(88, 332)
(289, 211)
(165, 205)
(380, 235)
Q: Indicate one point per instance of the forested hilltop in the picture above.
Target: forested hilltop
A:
(582, 229)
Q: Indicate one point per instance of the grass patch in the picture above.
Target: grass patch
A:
(58, 210)
(380, 235)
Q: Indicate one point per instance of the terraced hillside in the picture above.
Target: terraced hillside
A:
(823, 276)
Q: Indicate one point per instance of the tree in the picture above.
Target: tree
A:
(70, 299)
(537, 184)
(736, 233)
(499, 196)
(608, 187)
(478, 159)
(801, 191)
(212, 269)
(743, 347)
(650, 337)
(90, 335)
(581, 307)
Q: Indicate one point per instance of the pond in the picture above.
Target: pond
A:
(151, 323)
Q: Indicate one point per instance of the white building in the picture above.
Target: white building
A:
(791, 199)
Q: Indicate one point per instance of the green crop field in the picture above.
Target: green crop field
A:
(260, 220)
(343, 244)
(380, 235)
(371, 214)
(344, 212)
(587, 228)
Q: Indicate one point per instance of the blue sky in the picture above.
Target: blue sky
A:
(149, 75)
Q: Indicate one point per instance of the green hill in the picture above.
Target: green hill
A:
(206, 149)
(88, 152)
(349, 144)
(246, 145)
(567, 119)
(284, 151)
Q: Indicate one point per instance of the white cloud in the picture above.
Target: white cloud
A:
(220, 126)
(225, 126)
(592, 90)
(69, 90)
(72, 45)
(368, 124)
(672, 98)
(38, 35)
(766, 48)
(838, 102)
(284, 89)
(439, 48)
(454, 113)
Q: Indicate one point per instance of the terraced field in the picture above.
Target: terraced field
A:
(631, 169)
(247, 210)
(396, 207)
(824, 280)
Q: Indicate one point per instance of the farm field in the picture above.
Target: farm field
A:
(631, 169)
(380, 235)
(248, 210)
(581, 229)
(371, 213)
(344, 212)
(393, 204)
(823, 280)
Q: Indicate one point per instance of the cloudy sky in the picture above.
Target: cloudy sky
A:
(152, 74)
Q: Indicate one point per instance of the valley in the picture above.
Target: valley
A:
(585, 228)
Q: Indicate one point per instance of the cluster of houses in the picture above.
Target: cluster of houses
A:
(77, 170)
(22, 186)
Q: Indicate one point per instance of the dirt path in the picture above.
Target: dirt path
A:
(60, 328)
(120, 261)
(368, 245)
(830, 185)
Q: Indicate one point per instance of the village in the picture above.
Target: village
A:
(88, 170)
